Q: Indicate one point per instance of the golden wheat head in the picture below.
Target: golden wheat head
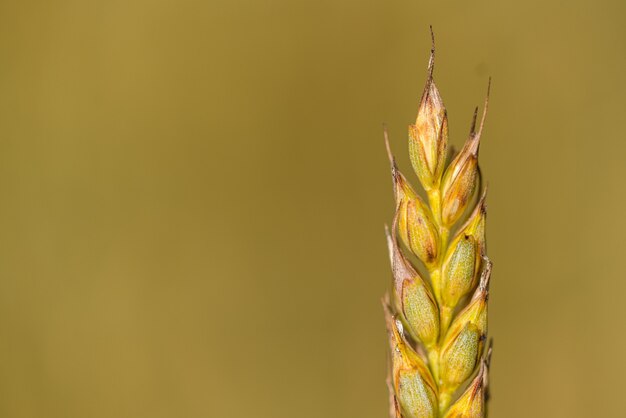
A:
(437, 318)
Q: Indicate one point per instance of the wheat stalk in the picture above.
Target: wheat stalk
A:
(437, 327)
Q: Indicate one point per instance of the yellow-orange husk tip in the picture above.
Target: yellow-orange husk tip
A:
(458, 185)
(475, 224)
(460, 178)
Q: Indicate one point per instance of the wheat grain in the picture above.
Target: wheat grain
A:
(437, 326)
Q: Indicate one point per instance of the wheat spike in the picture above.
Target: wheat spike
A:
(437, 319)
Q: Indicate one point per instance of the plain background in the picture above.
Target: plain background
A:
(193, 193)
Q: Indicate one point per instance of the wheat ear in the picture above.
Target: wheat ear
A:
(437, 326)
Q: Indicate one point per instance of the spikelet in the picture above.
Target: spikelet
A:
(412, 295)
(471, 404)
(414, 387)
(447, 328)
(463, 342)
(415, 222)
(428, 137)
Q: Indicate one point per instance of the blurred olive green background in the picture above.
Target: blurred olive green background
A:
(193, 196)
